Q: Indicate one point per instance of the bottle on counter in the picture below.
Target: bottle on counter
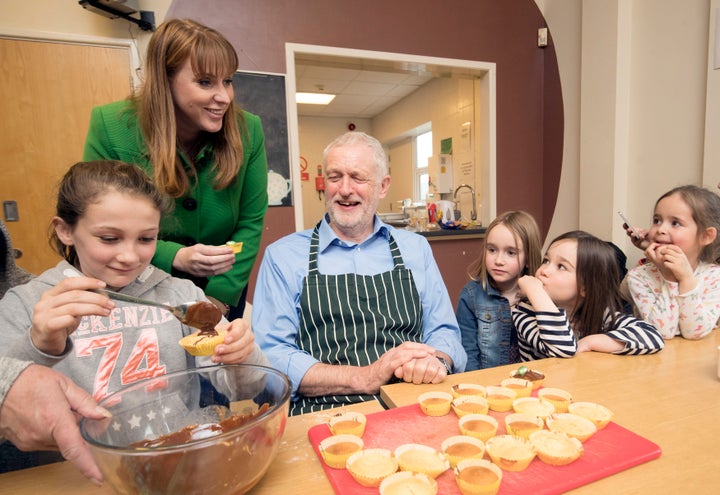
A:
(432, 213)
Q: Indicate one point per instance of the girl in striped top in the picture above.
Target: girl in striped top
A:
(573, 304)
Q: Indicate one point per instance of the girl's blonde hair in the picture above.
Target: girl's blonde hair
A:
(705, 207)
(174, 42)
(525, 230)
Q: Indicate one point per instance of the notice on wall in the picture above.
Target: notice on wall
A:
(465, 140)
(463, 169)
(446, 146)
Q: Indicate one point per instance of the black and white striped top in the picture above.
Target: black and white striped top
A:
(545, 334)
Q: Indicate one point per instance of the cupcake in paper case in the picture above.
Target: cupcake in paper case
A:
(462, 389)
(202, 344)
(500, 399)
(470, 404)
(435, 403)
(408, 483)
(523, 424)
(478, 477)
(236, 246)
(460, 447)
(421, 459)
(370, 466)
(560, 398)
(556, 448)
(572, 425)
(522, 387)
(600, 415)
(536, 377)
(534, 406)
(336, 450)
(510, 452)
(348, 422)
(480, 426)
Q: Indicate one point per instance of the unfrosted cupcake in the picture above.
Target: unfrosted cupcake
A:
(408, 483)
(571, 424)
(336, 450)
(421, 459)
(523, 424)
(500, 399)
(509, 452)
(348, 422)
(556, 448)
(478, 477)
(522, 387)
(480, 426)
(533, 406)
(470, 404)
(435, 403)
(600, 415)
(560, 398)
(370, 466)
(459, 447)
(461, 389)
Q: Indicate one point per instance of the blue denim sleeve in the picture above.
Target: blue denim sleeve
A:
(468, 328)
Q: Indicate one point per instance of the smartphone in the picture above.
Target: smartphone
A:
(627, 222)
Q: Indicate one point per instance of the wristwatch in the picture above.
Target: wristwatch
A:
(448, 368)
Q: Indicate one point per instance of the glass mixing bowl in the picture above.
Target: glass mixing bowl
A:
(212, 430)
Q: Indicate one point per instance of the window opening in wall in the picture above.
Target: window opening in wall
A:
(422, 144)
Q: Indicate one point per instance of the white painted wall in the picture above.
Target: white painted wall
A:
(565, 21)
(642, 107)
(68, 16)
(447, 104)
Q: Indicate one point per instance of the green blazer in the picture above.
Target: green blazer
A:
(203, 215)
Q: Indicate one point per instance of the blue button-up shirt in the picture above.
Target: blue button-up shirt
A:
(276, 304)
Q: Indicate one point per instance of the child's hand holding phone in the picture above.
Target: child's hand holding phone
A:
(637, 236)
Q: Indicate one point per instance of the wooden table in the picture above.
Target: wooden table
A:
(671, 398)
(296, 469)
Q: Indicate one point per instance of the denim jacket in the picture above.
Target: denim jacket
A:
(488, 334)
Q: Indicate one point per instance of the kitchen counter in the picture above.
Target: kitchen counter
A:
(450, 234)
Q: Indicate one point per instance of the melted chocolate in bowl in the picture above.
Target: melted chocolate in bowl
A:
(204, 316)
(175, 434)
(197, 432)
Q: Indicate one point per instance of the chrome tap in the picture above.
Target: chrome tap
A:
(473, 212)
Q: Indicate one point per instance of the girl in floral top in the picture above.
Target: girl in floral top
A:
(678, 289)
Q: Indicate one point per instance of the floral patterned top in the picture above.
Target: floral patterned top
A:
(692, 314)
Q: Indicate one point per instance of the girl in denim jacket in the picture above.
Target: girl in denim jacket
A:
(512, 249)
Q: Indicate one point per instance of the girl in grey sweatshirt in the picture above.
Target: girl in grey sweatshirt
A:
(106, 227)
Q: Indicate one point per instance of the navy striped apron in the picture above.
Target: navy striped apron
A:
(352, 319)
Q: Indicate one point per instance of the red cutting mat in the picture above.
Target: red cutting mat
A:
(610, 450)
